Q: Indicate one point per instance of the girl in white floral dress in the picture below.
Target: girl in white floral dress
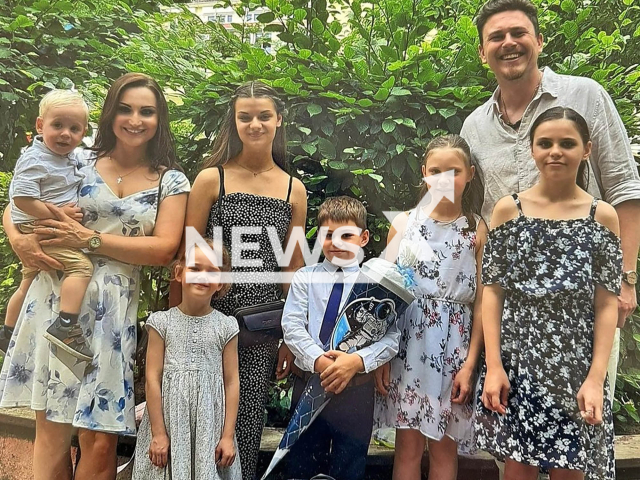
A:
(425, 394)
(134, 205)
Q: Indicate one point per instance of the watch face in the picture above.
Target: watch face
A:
(632, 277)
(94, 242)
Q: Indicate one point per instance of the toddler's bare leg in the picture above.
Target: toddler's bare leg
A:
(15, 302)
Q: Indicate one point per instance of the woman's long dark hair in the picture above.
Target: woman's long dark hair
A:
(473, 194)
(161, 150)
(228, 145)
(566, 113)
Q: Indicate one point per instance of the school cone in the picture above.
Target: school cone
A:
(379, 296)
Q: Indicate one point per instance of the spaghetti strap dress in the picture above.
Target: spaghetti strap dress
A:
(257, 363)
(549, 270)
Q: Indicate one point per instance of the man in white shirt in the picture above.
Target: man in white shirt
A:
(337, 441)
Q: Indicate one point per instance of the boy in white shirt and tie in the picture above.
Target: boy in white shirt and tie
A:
(337, 441)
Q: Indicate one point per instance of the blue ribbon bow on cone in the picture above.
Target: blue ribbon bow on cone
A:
(377, 299)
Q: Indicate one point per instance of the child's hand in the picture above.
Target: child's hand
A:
(462, 389)
(381, 376)
(285, 360)
(322, 363)
(159, 450)
(225, 452)
(336, 377)
(496, 390)
(73, 211)
(590, 399)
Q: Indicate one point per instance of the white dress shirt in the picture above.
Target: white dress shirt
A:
(304, 311)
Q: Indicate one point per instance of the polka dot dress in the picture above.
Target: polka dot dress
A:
(257, 363)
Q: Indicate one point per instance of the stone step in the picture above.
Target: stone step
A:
(17, 431)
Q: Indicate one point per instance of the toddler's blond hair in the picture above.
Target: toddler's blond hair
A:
(62, 98)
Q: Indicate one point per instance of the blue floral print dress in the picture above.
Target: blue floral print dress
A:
(435, 334)
(35, 375)
(549, 270)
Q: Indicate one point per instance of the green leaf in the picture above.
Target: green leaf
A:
(299, 14)
(388, 126)
(273, 27)
(316, 26)
(398, 92)
(21, 21)
(637, 32)
(568, 6)
(309, 148)
(327, 148)
(305, 130)
(266, 17)
(381, 94)
(304, 53)
(314, 109)
(338, 165)
(447, 112)
(570, 30)
(365, 102)
(376, 177)
(389, 82)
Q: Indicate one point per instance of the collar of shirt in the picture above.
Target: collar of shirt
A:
(39, 145)
(348, 269)
(549, 85)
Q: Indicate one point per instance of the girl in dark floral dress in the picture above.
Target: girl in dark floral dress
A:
(552, 271)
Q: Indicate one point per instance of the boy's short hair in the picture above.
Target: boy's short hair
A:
(343, 209)
(492, 7)
(62, 98)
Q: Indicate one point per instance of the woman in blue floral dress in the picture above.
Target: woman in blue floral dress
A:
(134, 204)
(552, 271)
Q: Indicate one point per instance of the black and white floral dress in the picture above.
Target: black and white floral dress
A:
(549, 270)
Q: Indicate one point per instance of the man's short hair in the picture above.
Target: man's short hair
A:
(343, 210)
(62, 98)
(493, 7)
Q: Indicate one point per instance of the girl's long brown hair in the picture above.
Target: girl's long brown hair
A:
(228, 145)
(473, 194)
(161, 150)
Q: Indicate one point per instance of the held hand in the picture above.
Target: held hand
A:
(73, 211)
(64, 230)
(463, 385)
(159, 450)
(590, 399)
(28, 249)
(336, 377)
(496, 391)
(382, 375)
(322, 363)
(225, 452)
(627, 303)
(285, 360)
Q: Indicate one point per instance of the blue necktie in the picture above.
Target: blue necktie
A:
(331, 313)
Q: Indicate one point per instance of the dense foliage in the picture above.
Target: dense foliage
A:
(367, 84)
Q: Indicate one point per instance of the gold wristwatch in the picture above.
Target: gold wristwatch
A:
(630, 277)
(95, 241)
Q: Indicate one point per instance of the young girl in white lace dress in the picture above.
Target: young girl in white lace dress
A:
(426, 388)
(192, 386)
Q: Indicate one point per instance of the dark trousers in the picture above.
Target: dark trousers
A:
(337, 442)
